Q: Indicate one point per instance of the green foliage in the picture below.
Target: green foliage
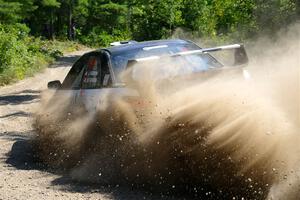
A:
(237, 18)
(14, 54)
(22, 55)
(148, 19)
(197, 17)
(155, 19)
(97, 37)
(51, 3)
(10, 11)
(106, 22)
(274, 14)
(99, 22)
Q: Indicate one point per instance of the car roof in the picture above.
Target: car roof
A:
(139, 45)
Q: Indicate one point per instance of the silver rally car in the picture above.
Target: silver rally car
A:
(97, 74)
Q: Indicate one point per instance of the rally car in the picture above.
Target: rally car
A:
(98, 73)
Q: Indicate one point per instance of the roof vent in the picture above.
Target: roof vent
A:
(122, 43)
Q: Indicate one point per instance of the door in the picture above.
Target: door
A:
(96, 82)
(70, 88)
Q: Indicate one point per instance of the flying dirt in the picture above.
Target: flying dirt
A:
(219, 138)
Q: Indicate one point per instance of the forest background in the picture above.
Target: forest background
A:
(35, 32)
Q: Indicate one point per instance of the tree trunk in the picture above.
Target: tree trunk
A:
(51, 28)
(58, 24)
(70, 21)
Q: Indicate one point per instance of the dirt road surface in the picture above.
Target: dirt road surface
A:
(22, 178)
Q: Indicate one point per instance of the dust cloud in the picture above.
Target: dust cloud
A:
(210, 136)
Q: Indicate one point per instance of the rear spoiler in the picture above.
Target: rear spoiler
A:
(240, 55)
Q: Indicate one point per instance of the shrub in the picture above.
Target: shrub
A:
(99, 38)
(22, 55)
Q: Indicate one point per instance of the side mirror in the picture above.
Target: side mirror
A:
(54, 85)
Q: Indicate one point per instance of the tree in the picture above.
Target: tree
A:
(9, 11)
(156, 19)
(15, 11)
(199, 16)
(50, 5)
(275, 14)
(101, 21)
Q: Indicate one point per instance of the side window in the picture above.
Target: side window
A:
(72, 80)
(96, 72)
(91, 73)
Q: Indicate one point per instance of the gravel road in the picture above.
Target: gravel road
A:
(21, 177)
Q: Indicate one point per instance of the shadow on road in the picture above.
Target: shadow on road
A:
(116, 192)
(22, 157)
(22, 97)
(65, 61)
(15, 136)
(16, 114)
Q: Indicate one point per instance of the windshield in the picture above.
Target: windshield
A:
(184, 64)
